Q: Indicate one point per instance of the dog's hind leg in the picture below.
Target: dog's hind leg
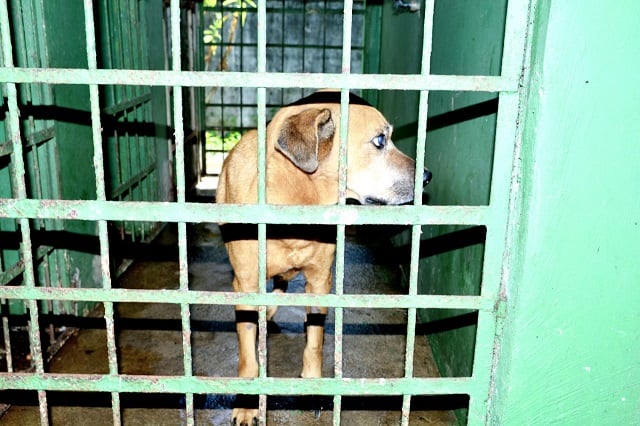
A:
(245, 410)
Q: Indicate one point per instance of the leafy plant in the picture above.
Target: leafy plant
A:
(213, 33)
(221, 141)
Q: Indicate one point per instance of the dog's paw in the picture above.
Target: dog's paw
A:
(244, 417)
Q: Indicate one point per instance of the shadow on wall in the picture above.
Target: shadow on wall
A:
(450, 118)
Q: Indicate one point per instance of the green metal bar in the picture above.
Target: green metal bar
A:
(324, 36)
(8, 353)
(20, 191)
(178, 116)
(285, 45)
(281, 10)
(106, 49)
(514, 213)
(207, 385)
(243, 213)
(504, 179)
(125, 36)
(416, 231)
(342, 188)
(262, 199)
(255, 79)
(482, 303)
(118, 47)
(495, 270)
(135, 59)
(98, 165)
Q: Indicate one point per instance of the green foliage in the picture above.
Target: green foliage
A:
(213, 33)
(221, 141)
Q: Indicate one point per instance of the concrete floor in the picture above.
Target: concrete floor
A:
(150, 342)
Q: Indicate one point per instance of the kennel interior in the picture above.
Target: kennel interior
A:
(509, 266)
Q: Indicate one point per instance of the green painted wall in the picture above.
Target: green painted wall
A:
(74, 156)
(159, 102)
(571, 347)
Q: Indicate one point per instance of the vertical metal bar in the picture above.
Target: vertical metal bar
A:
(221, 89)
(416, 231)
(283, 31)
(20, 192)
(185, 313)
(493, 272)
(324, 36)
(191, 67)
(503, 180)
(262, 199)
(98, 165)
(21, 40)
(167, 89)
(342, 185)
(6, 335)
(117, 39)
(135, 58)
(107, 53)
(340, 249)
(304, 41)
(242, 104)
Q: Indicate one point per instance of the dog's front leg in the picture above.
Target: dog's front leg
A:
(247, 327)
(312, 356)
(318, 282)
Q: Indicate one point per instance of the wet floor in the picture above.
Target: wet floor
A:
(150, 343)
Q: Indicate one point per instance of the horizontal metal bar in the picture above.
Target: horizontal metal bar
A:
(285, 46)
(232, 385)
(368, 301)
(147, 211)
(256, 79)
(285, 10)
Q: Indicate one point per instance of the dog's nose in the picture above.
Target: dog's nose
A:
(426, 177)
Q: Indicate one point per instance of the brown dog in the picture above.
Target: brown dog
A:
(302, 150)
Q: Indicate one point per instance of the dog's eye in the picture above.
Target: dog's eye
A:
(379, 141)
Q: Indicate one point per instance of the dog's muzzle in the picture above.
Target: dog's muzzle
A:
(402, 190)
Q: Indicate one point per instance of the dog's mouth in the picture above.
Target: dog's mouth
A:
(374, 201)
(398, 196)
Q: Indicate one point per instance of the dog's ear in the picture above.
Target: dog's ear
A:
(306, 138)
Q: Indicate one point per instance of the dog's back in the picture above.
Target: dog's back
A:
(237, 184)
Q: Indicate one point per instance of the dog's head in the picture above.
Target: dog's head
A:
(377, 172)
